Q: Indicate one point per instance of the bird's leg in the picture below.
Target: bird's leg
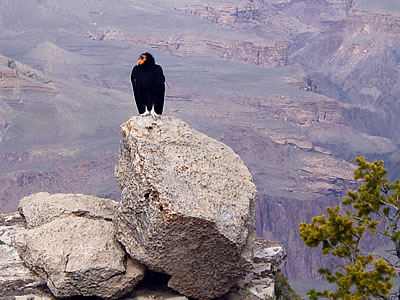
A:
(146, 113)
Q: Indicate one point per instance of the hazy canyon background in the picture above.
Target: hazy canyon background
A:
(298, 88)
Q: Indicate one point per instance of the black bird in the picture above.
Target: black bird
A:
(148, 83)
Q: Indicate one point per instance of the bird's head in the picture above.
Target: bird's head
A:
(145, 58)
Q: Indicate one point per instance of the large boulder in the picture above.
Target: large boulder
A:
(74, 248)
(187, 206)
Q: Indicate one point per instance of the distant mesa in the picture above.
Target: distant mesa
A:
(16, 77)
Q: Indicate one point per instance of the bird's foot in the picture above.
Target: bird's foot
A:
(145, 114)
(155, 115)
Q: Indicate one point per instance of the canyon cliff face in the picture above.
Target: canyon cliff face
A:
(258, 52)
(296, 88)
(359, 66)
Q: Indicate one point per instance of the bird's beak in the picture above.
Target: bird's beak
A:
(141, 60)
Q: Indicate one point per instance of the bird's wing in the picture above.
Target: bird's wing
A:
(134, 83)
(159, 74)
(160, 87)
(160, 81)
(133, 77)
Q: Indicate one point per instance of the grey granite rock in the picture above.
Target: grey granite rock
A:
(187, 206)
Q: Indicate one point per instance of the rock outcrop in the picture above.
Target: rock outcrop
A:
(267, 258)
(16, 77)
(187, 212)
(15, 277)
(187, 206)
(73, 248)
